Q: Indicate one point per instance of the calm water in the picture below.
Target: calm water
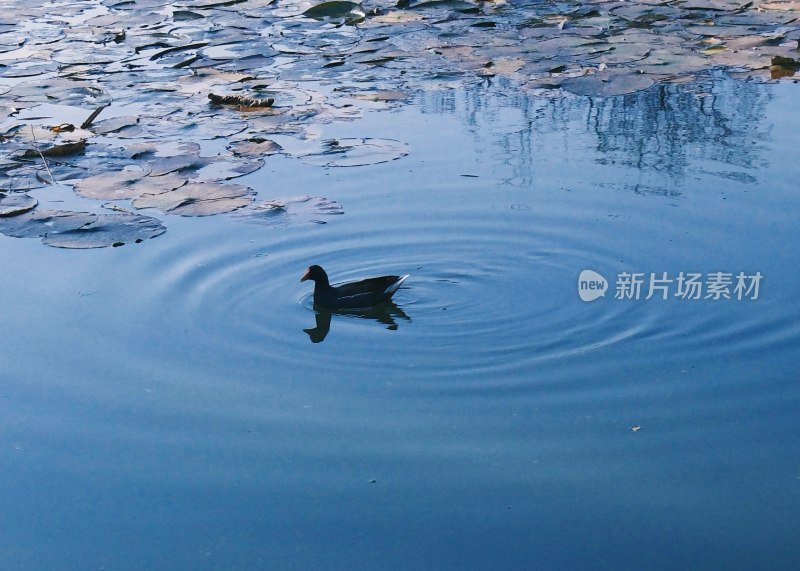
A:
(164, 407)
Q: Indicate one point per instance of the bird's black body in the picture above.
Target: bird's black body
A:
(363, 293)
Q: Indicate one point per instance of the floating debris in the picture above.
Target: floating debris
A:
(240, 101)
(784, 66)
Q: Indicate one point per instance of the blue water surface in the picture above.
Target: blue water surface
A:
(162, 405)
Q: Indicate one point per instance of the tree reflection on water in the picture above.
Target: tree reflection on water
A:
(714, 125)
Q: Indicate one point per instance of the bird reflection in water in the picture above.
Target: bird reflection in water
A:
(386, 313)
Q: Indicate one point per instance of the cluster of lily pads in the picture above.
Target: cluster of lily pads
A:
(156, 104)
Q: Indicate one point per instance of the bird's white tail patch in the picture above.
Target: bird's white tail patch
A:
(396, 285)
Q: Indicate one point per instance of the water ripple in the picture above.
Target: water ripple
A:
(484, 298)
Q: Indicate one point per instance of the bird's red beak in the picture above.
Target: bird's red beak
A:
(306, 275)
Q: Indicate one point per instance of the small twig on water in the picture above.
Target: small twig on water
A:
(44, 160)
(86, 124)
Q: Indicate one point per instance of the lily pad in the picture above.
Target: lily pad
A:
(282, 211)
(121, 127)
(715, 5)
(42, 222)
(347, 12)
(113, 185)
(61, 91)
(180, 163)
(671, 61)
(384, 95)
(255, 147)
(165, 157)
(457, 5)
(198, 199)
(607, 83)
(356, 152)
(226, 167)
(27, 68)
(158, 184)
(12, 203)
(108, 230)
(153, 149)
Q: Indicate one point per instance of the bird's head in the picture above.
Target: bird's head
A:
(315, 273)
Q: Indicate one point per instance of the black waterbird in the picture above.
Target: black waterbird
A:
(362, 293)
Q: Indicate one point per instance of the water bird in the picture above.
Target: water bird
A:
(362, 293)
